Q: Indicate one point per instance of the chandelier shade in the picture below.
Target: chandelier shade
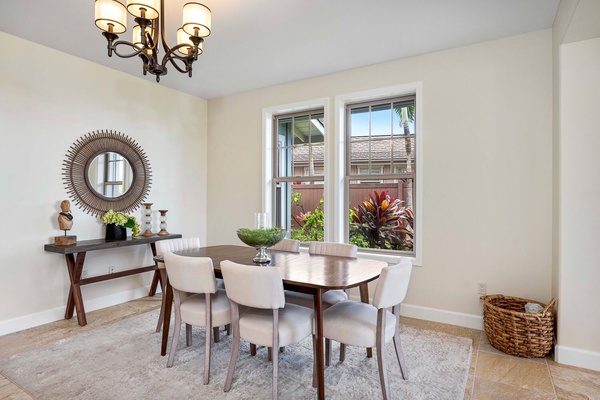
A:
(111, 16)
(143, 8)
(196, 19)
(149, 15)
(184, 38)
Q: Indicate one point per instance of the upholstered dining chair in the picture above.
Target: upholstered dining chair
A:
(266, 319)
(204, 304)
(330, 297)
(360, 324)
(286, 244)
(165, 246)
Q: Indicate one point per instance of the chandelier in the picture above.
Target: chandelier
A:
(111, 18)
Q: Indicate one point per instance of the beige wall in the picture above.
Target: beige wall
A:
(487, 122)
(48, 99)
(579, 319)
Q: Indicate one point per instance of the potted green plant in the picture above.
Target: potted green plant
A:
(261, 239)
(117, 223)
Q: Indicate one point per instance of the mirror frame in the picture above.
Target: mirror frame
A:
(80, 155)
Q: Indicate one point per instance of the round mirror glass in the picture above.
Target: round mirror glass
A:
(110, 175)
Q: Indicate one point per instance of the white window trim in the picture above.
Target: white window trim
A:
(338, 173)
(268, 147)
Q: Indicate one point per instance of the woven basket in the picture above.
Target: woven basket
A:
(512, 330)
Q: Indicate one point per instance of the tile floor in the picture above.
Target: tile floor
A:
(492, 375)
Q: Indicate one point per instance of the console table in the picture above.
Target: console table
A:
(75, 256)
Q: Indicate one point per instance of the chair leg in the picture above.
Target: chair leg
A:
(327, 352)
(380, 343)
(161, 317)
(228, 328)
(208, 324)
(342, 352)
(314, 380)
(216, 334)
(176, 329)
(269, 354)
(275, 353)
(188, 335)
(235, 345)
(398, 344)
(252, 349)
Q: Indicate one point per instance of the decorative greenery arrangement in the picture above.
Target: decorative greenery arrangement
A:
(261, 237)
(382, 222)
(121, 219)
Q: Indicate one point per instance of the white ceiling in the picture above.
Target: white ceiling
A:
(260, 43)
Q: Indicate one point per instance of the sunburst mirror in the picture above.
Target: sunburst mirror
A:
(106, 170)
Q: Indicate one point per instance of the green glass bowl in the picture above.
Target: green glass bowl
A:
(261, 237)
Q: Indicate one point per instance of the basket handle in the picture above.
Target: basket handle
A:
(549, 306)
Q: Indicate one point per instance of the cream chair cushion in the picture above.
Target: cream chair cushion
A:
(193, 309)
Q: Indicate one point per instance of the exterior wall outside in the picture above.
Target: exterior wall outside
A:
(42, 112)
(487, 211)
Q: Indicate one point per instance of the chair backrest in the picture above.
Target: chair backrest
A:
(392, 284)
(252, 286)
(172, 245)
(190, 274)
(287, 245)
(332, 249)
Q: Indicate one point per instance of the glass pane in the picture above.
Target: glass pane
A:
(316, 160)
(381, 214)
(284, 129)
(403, 155)
(300, 209)
(301, 130)
(381, 120)
(301, 159)
(284, 165)
(317, 128)
(381, 150)
(404, 118)
(359, 151)
(359, 121)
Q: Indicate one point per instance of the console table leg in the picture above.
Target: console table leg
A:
(154, 285)
(156, 277)
(75, 300)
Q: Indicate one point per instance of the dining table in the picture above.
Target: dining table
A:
(301, 272)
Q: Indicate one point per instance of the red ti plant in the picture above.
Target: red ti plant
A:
(383, 222)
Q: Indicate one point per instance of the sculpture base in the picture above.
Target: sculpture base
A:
(65, 240)
(148, 233)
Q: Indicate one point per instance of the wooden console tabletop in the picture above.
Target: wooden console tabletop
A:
(75, 257)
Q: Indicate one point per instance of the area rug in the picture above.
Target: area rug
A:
(122, 361)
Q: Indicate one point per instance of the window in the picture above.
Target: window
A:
(298, 181)
(380, 142)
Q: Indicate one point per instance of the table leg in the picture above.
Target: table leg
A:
(318, 307)
(156, 277)
(167, 316)
(75, 300)
(364, 297)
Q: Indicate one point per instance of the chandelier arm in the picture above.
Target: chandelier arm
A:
(163, 27)
(172, 56)
(137, 50)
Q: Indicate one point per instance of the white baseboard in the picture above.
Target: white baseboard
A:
(443, 316)
(577, 357)
(437, 315)
(58, 313)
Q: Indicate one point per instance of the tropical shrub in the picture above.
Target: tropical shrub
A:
(382, 222)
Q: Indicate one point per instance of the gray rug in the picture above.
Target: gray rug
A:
(122, 361)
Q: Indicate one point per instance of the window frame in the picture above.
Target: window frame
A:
(334, 173)
(350, 176)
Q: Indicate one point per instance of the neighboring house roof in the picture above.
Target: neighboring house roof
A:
(381, 151)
